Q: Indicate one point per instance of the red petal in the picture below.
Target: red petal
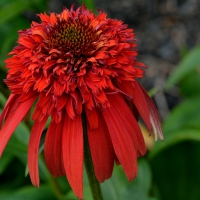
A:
(65, 14)
(72, 145)
(33, 148)
(135, 93)
(40, 32)
(77, 102)
(136, 131)
(92, 117)
(62, 100)
(7, 107)
(53, 19)
(119, 128)
(101, 150)
(53, 149)
(141, 104)
(13, 119)
(26, 96)
(119, 120)
(154, 116)
(126, 88)
(25, 41)
(44, 17)
(69, 108)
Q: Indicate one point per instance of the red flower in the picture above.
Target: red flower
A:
(74, 63)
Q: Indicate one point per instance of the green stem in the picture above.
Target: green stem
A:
(52, 181)
(94, 183)
(56, 188)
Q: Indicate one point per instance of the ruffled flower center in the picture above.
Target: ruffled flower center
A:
(71, 36)
(71, 60)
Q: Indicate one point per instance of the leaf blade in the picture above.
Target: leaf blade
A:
(190, 62)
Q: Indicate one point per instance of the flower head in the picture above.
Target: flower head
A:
(71, 64)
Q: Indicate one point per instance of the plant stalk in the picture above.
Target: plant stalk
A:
(94, 183)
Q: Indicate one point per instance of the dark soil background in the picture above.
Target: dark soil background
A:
(164, 29)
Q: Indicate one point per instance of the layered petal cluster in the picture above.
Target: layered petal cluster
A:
(74, 65)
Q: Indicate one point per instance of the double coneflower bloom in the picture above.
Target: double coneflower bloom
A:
(79, 68)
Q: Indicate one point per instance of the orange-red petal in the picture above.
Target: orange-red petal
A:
(13, 119)
(7, 107)
(53, 149)
(92, 118)
(101, 149)
(154, 117)
(33, 148)
(142, 105)
(120, 126)
(72, 147)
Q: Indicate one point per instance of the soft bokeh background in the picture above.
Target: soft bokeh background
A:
(168, 33)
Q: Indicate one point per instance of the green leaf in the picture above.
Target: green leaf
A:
(13, 176)
(30, 193)
(2, 100)
(6, 45)
(118, 187)
(89, 4)
(3, 2)
(44, 172)
(176, 171)
(19, 23)
(175, 137)
(15, 147)
(41, 5)
(190, 85)
(110, 190)
(153, 198)
(152, 92)
(182, 124)
(190, 62)
(187, 113)
(144, 177)
(22, 133)
(71, 195)
(5, 161)
(12, 9)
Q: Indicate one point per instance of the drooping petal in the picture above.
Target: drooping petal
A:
(119, 122)
(141, 104)
(12, 120)
(101, 149)
(135, 93)
(154, 117)
(72, 147)
(136, 133)
(33, 148)
(53, 149)
(8, 106)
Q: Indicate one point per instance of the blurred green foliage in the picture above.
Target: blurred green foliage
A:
(89, 4)
(175, 162)
(169, 171)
